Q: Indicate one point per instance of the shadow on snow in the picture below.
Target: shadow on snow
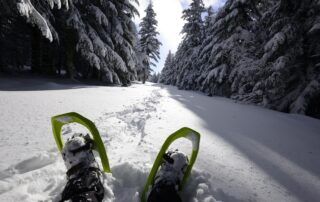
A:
(268, 138)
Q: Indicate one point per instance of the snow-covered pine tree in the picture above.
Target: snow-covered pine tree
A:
(281, 45)
(303, 96)
(210, 15)
(167, 72)
(38, 14)
(27, 9)
(193, 28)
(124, 45)
(149, 44)
(206, 42)
(187, 52)
(141, 59)
(261, 52)
(101, 34)
(311, 90)
(284, 83)
(94, 38)
(229, 47)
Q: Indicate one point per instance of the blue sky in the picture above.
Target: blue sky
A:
(169, 14)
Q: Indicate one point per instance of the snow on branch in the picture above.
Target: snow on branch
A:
(99, 15)
(53, 2)
(217, 74)
(27, 10)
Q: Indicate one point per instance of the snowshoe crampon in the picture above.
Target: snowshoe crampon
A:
(187, 133)
(60, 120)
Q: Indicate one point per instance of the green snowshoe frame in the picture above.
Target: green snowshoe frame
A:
(60, 120)
(188, 133)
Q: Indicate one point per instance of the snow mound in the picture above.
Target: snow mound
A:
(38, 178)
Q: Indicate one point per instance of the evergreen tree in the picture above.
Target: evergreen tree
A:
(90, 39)
(104, 36)
(27, 9)
(193, 28)
(291, 76)
(310, 94)
(188, 50)
(167, 72)
(230, 51)
(149, 44)
(17, 34)
(259, 52)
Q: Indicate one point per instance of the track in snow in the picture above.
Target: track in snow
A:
(42, 177)
(250, 153)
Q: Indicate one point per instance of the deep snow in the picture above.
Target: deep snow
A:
(247, 153)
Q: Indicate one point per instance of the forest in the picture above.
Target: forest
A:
(264, 52)
(79, 39)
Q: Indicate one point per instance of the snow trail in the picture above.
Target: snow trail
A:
(246, 153)
(135, 116)
(42, 176)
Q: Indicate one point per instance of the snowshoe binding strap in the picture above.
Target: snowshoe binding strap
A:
(75, 169)
(89, 144)
(82, 168)
(167, 158)
(85, 187)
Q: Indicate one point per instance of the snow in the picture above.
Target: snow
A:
(217, 73)
(247, 153)
(53, 2)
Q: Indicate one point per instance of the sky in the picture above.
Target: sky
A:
(170, 24)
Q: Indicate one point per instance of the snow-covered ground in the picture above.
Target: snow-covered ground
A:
(247, 153)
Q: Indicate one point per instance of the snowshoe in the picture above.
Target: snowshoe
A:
(169, 177)
(171, 170)
(85, 180)
(60, 120)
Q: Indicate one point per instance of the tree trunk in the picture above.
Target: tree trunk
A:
(48, 58)
(1, 60)
(36, 51)
(70, 53)
(69, 62)
(1, 43)
(144, 77)
(59, 63)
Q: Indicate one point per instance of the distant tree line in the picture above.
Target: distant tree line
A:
(88, 39)
(263, 52)
(154, 78)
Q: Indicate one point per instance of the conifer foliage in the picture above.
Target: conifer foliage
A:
(88, 39)
(166, 75)
(149, 44)
(193, 28)
(188, 50)
(258, 52)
